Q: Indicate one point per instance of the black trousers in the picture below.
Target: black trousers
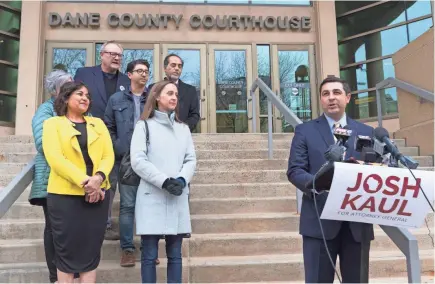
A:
(318, 268)
(49, 247)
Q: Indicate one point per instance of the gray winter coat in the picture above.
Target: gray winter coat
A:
(171, 153)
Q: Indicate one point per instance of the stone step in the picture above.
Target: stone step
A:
(212, 145)
(288, 267)
(280, 154)
(210, 177)
(206, 245)
(23, 210)
(217, 191)
(261, 268)
(204, 146)
(202, 165)
(107, 272)
(203, 137)
(201, 224)
(279, 243)
(429, 278)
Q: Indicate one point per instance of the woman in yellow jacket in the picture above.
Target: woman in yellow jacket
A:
(79, 151)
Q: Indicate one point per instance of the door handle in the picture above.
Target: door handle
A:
(200, 105)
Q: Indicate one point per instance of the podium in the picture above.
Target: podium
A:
(374, 194)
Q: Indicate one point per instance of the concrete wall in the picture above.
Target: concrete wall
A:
(415, 64)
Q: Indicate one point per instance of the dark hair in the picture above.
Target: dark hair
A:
(152, 104)
(166, 60)
(131, 65)
(333, 79)
(66, 90)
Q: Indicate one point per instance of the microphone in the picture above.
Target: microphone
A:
(362, 142)
(335, 153)
(384, 145)
(342, 135)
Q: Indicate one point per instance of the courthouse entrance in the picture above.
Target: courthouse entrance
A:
(222, 75)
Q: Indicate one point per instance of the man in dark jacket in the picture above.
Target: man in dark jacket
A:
(103, 81)
(123, 110)
(188, 99)
(348, 240)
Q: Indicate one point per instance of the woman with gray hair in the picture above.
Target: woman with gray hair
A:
(38, 194)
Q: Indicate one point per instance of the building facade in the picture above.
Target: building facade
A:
(225, 44)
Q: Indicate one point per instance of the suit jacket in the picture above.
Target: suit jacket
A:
(63, 153)
(310, 142)
(188, 104)
(92, 77)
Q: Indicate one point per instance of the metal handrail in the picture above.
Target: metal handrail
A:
(393, 82)
(272, 98)
(15, 188)
(403, 239)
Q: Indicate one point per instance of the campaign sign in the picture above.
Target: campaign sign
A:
(379, 195)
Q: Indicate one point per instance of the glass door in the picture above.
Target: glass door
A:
(68, 57)
(193, 73)
(294, 82)
(230, 80)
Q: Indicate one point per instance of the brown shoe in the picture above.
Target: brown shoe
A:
(128, 259)
(157, 261)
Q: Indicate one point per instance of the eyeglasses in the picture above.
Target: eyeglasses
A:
(114, 54)
(141, 71)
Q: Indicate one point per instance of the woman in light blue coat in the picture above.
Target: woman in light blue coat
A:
(166, 167)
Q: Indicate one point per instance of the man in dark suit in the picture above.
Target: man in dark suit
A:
(188, 99)
(348, 240)
(103, 81)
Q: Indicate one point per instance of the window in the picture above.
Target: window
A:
(264, 70)
(281, 2)
(10, 17)
(223, 2)
(363, 21)
(7, 108)
(416, 29)
(415, 9)
(359, 78)
(228, 1)
(372, 46)
(368, 38)
(9, 49)
(342, 7)
(8, 79)
(363, 105)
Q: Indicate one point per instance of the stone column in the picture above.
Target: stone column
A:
(327, 43)
(375, 71)
(31, 63)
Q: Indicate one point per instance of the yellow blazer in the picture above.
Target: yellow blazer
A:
(64, 156)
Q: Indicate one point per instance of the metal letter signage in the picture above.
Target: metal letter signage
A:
(157, 21)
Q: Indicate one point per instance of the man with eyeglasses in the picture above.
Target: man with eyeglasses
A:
(123, 110)
(102, 82)
(188, 99)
